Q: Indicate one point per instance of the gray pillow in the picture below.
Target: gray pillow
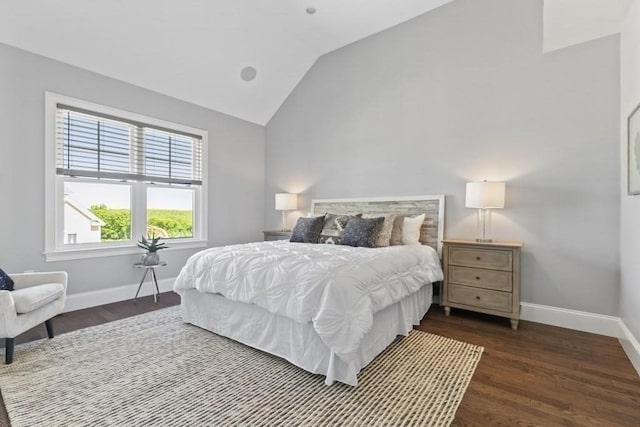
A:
(396, 231)
(333, 228)
(307, 230)
(362, 232)
(384, 236)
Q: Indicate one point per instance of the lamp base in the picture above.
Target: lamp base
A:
(484, 225)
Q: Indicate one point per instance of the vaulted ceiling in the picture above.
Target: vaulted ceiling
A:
(196, 50)
(569, 22)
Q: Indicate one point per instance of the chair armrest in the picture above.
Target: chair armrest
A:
(7, 313)
(6, 301)
(25, 280)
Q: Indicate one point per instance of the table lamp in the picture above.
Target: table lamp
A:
(286, 202)
(484, 196)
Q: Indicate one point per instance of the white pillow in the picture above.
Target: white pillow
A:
(411, 230)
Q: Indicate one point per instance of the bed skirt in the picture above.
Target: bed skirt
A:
(299, 343)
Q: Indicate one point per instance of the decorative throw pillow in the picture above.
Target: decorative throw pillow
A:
(362, 232)
(411, 230)
(396, 231)
(384, 235)
(307, 230)
(6, 282)
(333, 228)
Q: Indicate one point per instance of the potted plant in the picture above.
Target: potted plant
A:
(152, 246)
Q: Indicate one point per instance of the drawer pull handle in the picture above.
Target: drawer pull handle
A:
(477, 297)
(477, 258)
(477, 277)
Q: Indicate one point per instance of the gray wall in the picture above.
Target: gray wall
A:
(465, 93)
(629, 205)
(236, 167)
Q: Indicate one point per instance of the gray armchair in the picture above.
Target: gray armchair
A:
(36, 298)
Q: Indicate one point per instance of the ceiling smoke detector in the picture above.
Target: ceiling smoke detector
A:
(248, 73)
(311, 10)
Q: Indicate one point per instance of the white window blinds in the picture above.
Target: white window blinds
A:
(94, 145)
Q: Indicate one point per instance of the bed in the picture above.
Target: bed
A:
(328, 309)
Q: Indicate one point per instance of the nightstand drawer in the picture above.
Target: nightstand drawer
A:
(478, 277)
(483, 258)
(476, 297)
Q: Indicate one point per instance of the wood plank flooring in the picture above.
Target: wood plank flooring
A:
(540, 374)
(537, 375)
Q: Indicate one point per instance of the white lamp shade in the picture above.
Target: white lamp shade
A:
(286, 202)
(485, 195)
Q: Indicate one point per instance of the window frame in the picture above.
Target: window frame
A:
(55, 248)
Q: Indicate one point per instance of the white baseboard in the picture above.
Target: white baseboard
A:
(121, 293)
(571, 319)
(630, 345)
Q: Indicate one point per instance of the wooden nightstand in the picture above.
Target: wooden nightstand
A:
(482, 277)
(276, 235)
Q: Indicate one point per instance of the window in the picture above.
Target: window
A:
(113, 176)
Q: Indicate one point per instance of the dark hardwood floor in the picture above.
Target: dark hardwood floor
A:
(540, 374)
(537, 375)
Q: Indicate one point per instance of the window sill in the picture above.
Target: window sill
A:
(85, 253)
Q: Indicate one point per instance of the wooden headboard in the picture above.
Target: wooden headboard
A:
(432, 230)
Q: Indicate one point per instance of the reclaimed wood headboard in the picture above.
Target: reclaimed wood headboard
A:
(432, 230)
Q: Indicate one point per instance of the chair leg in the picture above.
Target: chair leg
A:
(8, 350)
(49, 325)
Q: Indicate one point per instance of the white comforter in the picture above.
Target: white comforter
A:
(337, 288)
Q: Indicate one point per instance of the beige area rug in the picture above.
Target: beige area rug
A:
(155, 370)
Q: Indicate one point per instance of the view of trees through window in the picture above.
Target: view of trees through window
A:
(101, 212)
(170, 211)
(117, 222)
(168, 223)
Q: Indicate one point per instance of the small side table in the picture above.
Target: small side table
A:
(277, 235)
(482, 277)
(156, 290)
